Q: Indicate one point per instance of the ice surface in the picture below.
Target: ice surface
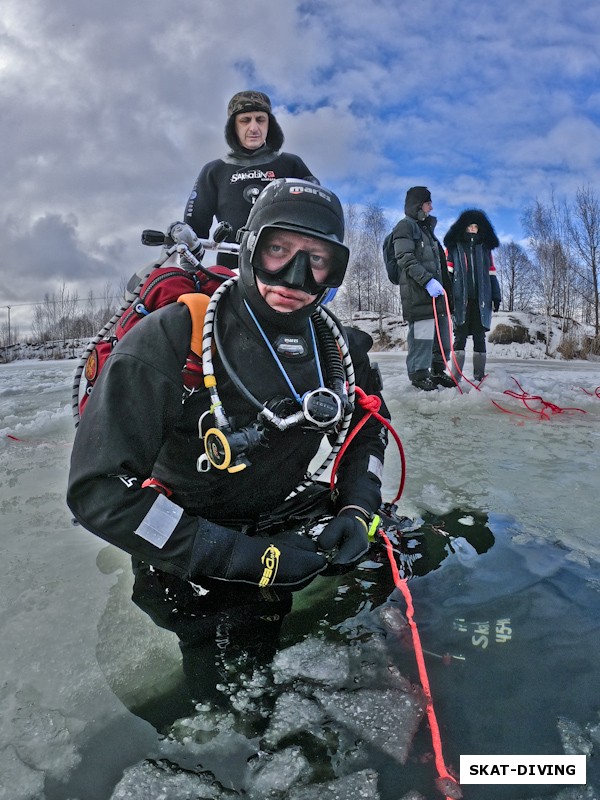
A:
(18, 780)
(71, 677)
(463, 452)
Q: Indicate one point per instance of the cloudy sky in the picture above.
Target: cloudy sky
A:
(109, 109)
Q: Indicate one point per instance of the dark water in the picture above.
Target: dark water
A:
(510, 627)
(526, 620)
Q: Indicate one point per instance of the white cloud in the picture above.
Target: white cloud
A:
(109, 113)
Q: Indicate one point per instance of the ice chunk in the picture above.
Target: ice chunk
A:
(224, 755)
(359, 786)
(573, 738)
(292, 714)
(276, 774)
(464, 550)
(163, 782)
(315, 661)
(391, 618)
(386, 719)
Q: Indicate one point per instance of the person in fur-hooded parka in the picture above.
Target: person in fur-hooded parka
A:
(469, 244)
(227, 188)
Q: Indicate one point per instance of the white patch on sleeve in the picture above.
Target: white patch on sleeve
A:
(160, 522)
(375, 467)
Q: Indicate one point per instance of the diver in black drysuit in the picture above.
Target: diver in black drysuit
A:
(196, 526)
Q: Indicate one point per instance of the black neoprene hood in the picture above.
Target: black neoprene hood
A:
(298, 206)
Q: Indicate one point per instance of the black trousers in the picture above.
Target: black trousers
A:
(471, 327)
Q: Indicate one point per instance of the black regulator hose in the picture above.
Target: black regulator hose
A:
(334, 367)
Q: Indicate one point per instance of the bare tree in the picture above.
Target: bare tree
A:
(584, 229)
(374, 226)
(9, 334)
(366, 287)
(546, 229)
(351, 296)
(517, 278)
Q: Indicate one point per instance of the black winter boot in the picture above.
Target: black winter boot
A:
(442, 378)
(426, 383)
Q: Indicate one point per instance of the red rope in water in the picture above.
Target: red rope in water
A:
(436, 738)
(371, 404)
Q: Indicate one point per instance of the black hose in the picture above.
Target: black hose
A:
(334, 367)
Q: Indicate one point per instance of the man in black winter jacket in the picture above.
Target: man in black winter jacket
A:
(421, 272)
(191, 505)
(226, 188)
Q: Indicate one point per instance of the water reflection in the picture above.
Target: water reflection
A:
(510, 630)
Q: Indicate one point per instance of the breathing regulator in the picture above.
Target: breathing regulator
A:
(327, 408)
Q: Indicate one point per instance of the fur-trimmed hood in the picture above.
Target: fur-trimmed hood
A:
(470, 216)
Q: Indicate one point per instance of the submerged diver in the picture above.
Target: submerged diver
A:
(187, 505)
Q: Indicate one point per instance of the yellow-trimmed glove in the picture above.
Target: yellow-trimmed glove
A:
(230, 555)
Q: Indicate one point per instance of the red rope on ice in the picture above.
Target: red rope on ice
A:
(371, 403)
(546, 410)
(436, 738)
(595, 393)
(524, 397)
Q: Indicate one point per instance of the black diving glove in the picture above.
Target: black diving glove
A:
(229, 555)
(345, 537)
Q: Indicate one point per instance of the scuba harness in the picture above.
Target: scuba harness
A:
(327, 408)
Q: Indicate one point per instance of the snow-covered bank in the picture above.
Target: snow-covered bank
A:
(43, 351)
(514, 334)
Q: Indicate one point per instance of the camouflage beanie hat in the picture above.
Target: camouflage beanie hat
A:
(249, 100)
